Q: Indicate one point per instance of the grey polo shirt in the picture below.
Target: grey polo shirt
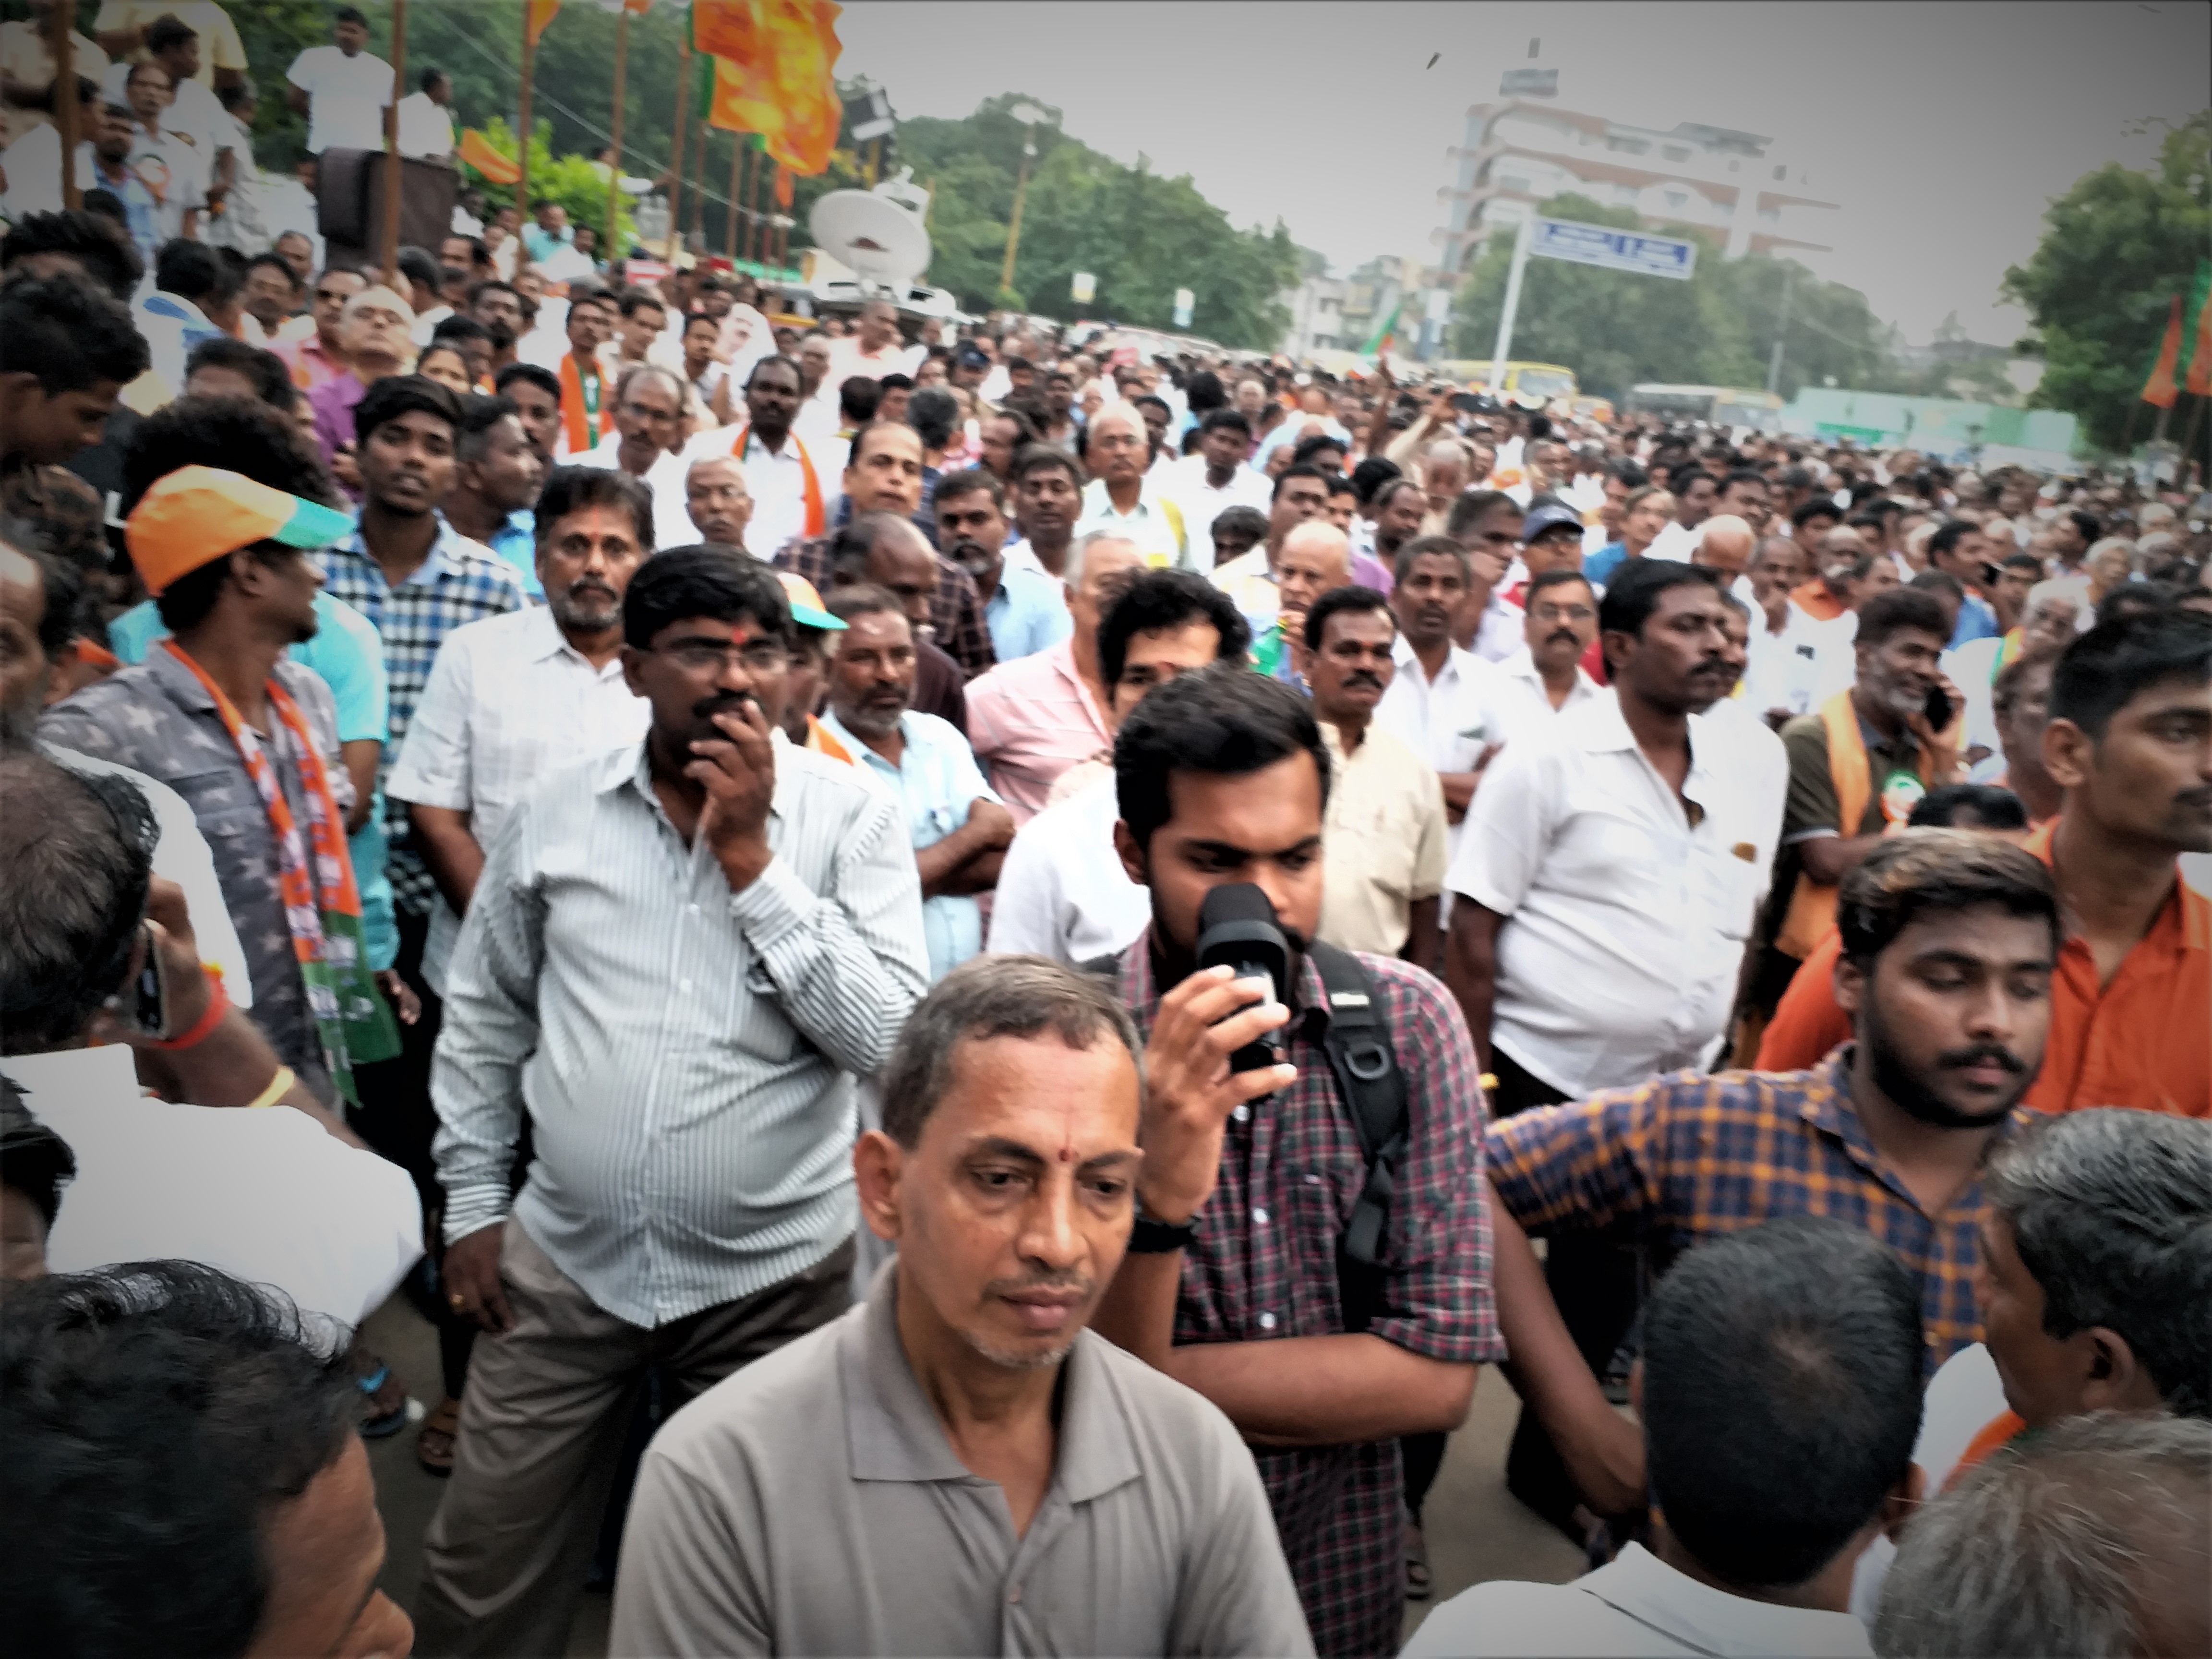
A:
(811, 1503)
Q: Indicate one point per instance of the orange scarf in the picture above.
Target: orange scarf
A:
(575, 416)
(818, 520)
(314, 875)
(1812, 906)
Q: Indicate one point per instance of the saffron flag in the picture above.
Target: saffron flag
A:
(540, 14)
(2199, 380)
(2159, 392)
(774, 74)
(477, 150)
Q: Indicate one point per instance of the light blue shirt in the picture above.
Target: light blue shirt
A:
(516, 541)
(1027, 613)
(348, 653)
(1977, 620)
(935, 780)
(542, 243)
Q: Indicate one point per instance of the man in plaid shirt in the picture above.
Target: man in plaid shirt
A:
(1950, 939)
(417, 579)
(1224, 779)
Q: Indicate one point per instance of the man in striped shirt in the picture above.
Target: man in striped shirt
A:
(675, 955)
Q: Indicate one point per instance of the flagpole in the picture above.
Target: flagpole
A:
(737, 187)
(522, 145)
(675, 160)
(614, 143)
(66, 106)
(395, 173)
(756, 160)
(699, 190)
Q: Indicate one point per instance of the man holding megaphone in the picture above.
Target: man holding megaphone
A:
(1312, 1248)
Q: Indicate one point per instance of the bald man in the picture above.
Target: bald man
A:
(721, 506)
(1827, 595)
(1724, 543)
(1119, 496)
(1313, 558)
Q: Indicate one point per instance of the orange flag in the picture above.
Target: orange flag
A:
(774, 74)
(2159, 391)
(2200, 362)
(541, 14)
(476, 151)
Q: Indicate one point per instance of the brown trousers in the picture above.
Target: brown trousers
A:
(548, 1404)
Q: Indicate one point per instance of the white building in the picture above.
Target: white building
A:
(1316, 308)
(1521, 151)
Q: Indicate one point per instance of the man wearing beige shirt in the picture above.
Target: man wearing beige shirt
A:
(957, 1466)
(1384, 841)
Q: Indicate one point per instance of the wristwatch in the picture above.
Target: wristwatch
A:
(1151, 1238)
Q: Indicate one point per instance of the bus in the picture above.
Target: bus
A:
(1532, 386)
(1715, 405)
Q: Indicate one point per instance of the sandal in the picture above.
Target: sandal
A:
(433, 1446)
(386, 1417)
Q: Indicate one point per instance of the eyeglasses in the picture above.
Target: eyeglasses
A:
(697, 656)
(640, 412)
(1557, 613)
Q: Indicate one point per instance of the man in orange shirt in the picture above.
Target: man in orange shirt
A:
(2131, 743)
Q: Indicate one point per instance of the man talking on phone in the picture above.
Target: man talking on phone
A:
(674, 955)
(1261, 1174)
(1858, 765)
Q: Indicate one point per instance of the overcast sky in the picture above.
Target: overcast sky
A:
(1941, 129)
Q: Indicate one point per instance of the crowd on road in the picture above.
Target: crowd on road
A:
(1030, 958)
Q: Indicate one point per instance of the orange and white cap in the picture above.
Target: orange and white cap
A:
(198, 514)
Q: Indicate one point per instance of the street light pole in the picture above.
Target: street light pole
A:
(1505, 315)
(1029, 115)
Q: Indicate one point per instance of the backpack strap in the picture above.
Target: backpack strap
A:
(1358, 1043)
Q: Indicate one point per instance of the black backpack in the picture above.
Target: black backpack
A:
(1374, 1093)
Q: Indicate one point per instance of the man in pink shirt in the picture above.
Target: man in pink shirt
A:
(1028, 720)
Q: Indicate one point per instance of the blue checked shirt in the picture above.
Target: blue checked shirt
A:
(462, 581)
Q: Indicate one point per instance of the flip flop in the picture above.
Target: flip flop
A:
(382, 1424)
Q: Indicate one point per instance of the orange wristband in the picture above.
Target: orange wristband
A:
(218, 1006)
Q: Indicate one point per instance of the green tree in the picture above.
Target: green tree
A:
(2116, 249)
(1615, 329)
(574, 181)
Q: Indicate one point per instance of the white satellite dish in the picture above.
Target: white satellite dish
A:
(876, 233)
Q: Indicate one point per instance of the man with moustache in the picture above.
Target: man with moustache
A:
(1023, 606)
(789, 487)
(720, 506)
(674, 957)
(1545, 677)
(959, 829)
(1384, 848)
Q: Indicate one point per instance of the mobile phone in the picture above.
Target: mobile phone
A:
(1466, 402)
(148, 1012)
(1938, 709)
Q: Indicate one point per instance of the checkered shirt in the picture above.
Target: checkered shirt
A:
(462, 581)
(1685, 1157)
(1264, 1267)
(955, 610)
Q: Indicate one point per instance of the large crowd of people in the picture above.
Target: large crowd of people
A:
(1030, 958)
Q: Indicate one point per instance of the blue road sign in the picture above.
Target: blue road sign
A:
(1613, 250)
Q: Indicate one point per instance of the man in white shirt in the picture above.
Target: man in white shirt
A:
(1694, 491)
(1205, 485)
(1610, 875)
(1796, 663)
(512, 699)
(873, 349)
(1545, 677)
(426, 129)
(647, 445)
(1441, 702)
(1063, 890)
(1780, 1394)
(342, 89)
(1119, 496)
(167, 161)
(791, 485)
